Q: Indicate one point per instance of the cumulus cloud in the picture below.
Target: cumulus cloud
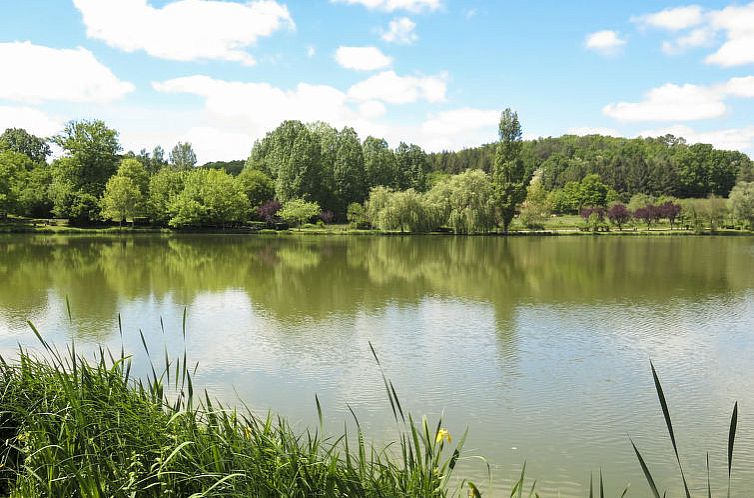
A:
(401, 30)
(457, 128)
(738, 24)
(674, 19)
(605, 42)
(393, 5)
(671, 102)
(388, 87)
(35, 73)
(32, 120)
(728, 139)
(184, 30)
(740, 87)
(700, 37)
(362, 58)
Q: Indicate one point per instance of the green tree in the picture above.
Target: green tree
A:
(536, 208)
(183, 157)
(592, 192)
(11, 177)
(164, 187)
(412, 166)
(742, 203)
(348, 170)
(121, 199)
(79, 177)
(258, 186)
(299, 176)
(464, 202)
(209, 197)
(379, 163)
(137, 173)
(35, 193)
(21, 141)
(299, 211)
(509, 175)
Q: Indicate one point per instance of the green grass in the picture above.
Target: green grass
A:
(72, 427)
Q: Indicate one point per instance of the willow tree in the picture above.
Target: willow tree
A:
(509, 172)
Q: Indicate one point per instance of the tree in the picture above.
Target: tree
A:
(464, 202)
(157, 162)
(137, 173)
(357, 216)
(536, 208)
(509, 169)
(34, 196)
(299, 176)
(21, 141)
(379, 163)
(348, 170)
(669, 210)
(79, 177)
(648, 214)
(258, 186)
(742, 203)
(183, 157)
(121, 199)
(412, 167)
(11, 171)
(298, 211)
(209, 197)
(619, 215)
(164, 187)
(269, 211)
(592, 192)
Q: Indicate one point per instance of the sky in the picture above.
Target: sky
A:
(221, 74)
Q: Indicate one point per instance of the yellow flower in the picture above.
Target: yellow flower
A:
(443, 434)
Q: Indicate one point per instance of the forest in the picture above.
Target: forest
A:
(300, 173)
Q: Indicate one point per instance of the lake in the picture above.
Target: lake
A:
(540, 346)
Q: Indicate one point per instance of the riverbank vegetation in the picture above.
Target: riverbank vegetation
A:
(76, 427)
(302, 174)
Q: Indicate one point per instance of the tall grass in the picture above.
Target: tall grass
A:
(73, 427)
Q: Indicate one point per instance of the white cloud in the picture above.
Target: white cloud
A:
(588, 130)
(699, 37)
(311, 51)
(738, 24)
(372, 109)
(671, 102)
(35, 73)
(606, 42)
(740, 87)
(32, 120)
(728, 139)
(674, 19)
(362, 58)
(184, 30)
(457, 128)
(393, 89)
(401, 30)
(393, 5)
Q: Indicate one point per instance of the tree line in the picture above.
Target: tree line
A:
(301, 172)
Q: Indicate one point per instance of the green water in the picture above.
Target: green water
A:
(539, 346)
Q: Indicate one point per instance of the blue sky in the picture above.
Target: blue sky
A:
(435, 72)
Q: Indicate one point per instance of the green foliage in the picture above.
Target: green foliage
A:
(357, 215)
(231, 167)
(412, 166)
(509, 172)
(19, 140)
(380, 164)
(183, 157)
(122, 199)
(348, 170)
(655, 166)
(164, 187)
(742, 203)
(90, 159)
(209, 197)
(593, 192)
(298, 211)
(536, 208)
(257, 185)
(404, 211)
(11, 177)
(465, 203)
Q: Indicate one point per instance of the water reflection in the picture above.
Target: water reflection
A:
(538, 345)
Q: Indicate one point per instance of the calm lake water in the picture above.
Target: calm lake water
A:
(539, 346)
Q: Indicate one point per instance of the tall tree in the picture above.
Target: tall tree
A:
(348, 170)
(509, 174)
(79, 177)
(379, 162)
(21, 141)
(183, 157)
